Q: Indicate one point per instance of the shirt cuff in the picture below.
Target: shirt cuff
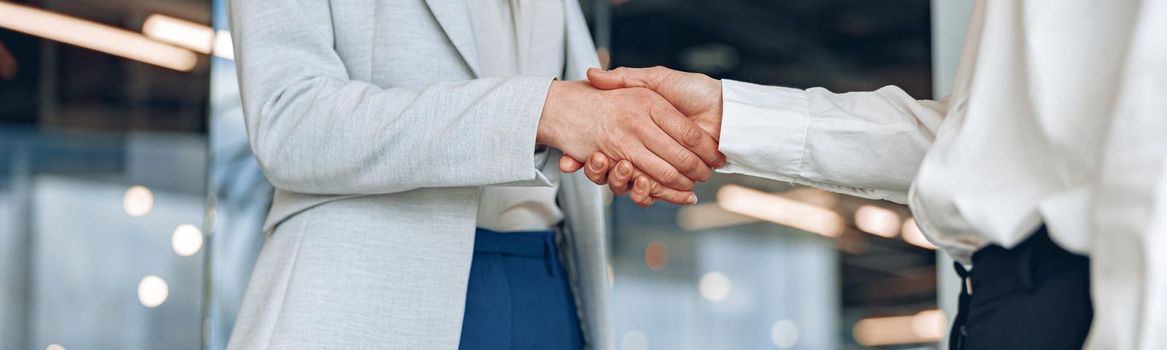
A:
(763, 130)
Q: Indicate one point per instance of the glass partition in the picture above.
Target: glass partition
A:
(103, 163)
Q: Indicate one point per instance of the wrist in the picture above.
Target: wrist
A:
(547, 131)
(710, 120)
(719, 113)
(560, 120)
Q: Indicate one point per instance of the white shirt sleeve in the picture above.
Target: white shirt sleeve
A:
(1128, 243)
(865, 144)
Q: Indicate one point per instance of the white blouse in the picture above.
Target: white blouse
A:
(1058, 116)
(519, 37)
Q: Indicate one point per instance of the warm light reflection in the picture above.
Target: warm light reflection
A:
(54, 346)
(923, 327)
(708, 216)
(224, 46)
(812, 196)
(179, 32)
(878, 221)
(780, 210)
(186, 240)
(784, 334)
(95, 36)
(605, 57)
(656, 255)
(138, 201)
(152, 291)
(929, 324)
(913, 235)
(714, 286)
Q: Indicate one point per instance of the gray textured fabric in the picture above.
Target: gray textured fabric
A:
(368, 118)
(518, 37)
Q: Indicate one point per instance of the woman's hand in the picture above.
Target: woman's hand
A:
(695, 95)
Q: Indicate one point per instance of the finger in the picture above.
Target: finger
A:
(569, 165)
(597, 168)
(621, 177)
(677, 155)
(688, 134)
(625, 77)
(641, 191)
(655, 190)
(659, 169)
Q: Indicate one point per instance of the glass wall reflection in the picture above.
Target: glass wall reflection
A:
(103, 163)
(240, 195)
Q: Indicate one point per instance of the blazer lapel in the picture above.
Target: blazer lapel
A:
(455, 21)
(581, 52)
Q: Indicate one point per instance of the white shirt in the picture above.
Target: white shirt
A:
(1058, 115)
(519, 37)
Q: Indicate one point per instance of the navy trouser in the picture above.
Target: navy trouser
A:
(518, 296)
(1033, 296)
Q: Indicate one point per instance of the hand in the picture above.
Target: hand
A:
(695, 95)
(628, 124)
(644, 192)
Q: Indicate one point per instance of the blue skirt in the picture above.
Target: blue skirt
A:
(518, 296)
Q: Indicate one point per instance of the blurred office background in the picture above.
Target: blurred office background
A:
(130, 205)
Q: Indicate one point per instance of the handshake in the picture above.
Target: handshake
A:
(647, 132)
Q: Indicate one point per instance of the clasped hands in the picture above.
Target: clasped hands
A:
(650, 133)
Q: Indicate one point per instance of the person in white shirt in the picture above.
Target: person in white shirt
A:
(1038, 174)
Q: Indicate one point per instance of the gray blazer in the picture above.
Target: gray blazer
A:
(369, 119)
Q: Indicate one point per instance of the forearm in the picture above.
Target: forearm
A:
(332, 136)
(868, 144)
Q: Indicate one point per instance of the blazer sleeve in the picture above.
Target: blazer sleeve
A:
(315, 130)
(866, 144)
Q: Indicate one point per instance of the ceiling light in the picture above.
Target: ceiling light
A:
(913, 235)
(179, 32)
(923, 327)
(780, 210)
(95, 36)
(878, 221)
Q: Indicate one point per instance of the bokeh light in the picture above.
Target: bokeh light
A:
(186, 240)
(656, 255)
(913, 235)
(138, 201)
(152, 291)
(878, 221)
(784, 334)
(714, 286)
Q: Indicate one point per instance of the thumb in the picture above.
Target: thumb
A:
(623, 77)
(606, 80)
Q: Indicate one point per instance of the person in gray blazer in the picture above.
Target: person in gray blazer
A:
(413, 148)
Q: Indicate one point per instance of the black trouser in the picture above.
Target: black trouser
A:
(1034, 296)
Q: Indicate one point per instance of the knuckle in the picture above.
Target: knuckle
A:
(674, 177)
(687, 162)
(691, 136)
